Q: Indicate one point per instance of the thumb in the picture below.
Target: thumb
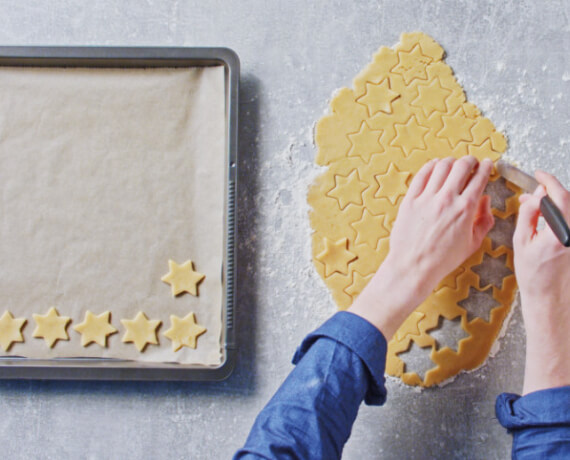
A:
(529, 213)
(484, 220)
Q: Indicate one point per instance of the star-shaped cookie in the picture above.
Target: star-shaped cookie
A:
(365, 143)
(431, 97)
(95, 328)
(336, 256)
(183, 278)
(456, 128)
(140, 331)
(370, 229)
(348, 189)
(184, 331)
(392, 184)
(410, 136)
(378, 97)
(51, 327)
(10, 330)
(412, 64)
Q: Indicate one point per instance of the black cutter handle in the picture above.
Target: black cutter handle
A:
(555, 220)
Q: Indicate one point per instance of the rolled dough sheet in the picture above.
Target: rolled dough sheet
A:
(106, 175)
(405, 108)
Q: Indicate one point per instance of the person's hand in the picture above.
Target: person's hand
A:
(441, 221)
(443, 218)
(542, 267)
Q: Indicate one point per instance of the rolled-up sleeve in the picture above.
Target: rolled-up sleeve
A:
(539, 423)
(311, 416)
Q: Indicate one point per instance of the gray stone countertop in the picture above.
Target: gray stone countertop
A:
(511, 58)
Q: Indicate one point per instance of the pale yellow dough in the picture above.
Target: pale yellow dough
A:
(404, 109)
(183, 278)
(95, 328)
(10, 330)
(184, 332)
(141, 331)
(51, 327)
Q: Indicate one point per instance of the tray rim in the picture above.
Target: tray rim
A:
(145, 57)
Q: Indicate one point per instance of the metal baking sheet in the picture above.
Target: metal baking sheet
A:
(135, 57)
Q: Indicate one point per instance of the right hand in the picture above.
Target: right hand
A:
(542, 266)
(441, 221)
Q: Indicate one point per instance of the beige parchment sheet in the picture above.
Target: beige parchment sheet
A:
(105, 174)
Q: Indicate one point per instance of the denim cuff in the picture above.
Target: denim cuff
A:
(542, 408)
(363, 339)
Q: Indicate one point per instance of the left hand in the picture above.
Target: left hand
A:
(441, 221)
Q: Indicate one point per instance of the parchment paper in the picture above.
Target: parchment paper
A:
(106, 174)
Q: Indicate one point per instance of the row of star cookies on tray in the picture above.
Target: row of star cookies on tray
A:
(140, 330)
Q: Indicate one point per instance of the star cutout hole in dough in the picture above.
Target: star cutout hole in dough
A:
(448, 333)
(492, 271)
(502, 232)
(184, 332)
(336, 256)
(140, 331)
(378, 97)
(95, 329)
(479, 304)
(417, 359)
(183, 278)
(10, 330)
(51, 327)
(499, 193)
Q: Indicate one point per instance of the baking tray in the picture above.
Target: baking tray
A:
(136, 57)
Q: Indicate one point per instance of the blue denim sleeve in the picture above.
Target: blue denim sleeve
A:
(311, 415)
(539, 423)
